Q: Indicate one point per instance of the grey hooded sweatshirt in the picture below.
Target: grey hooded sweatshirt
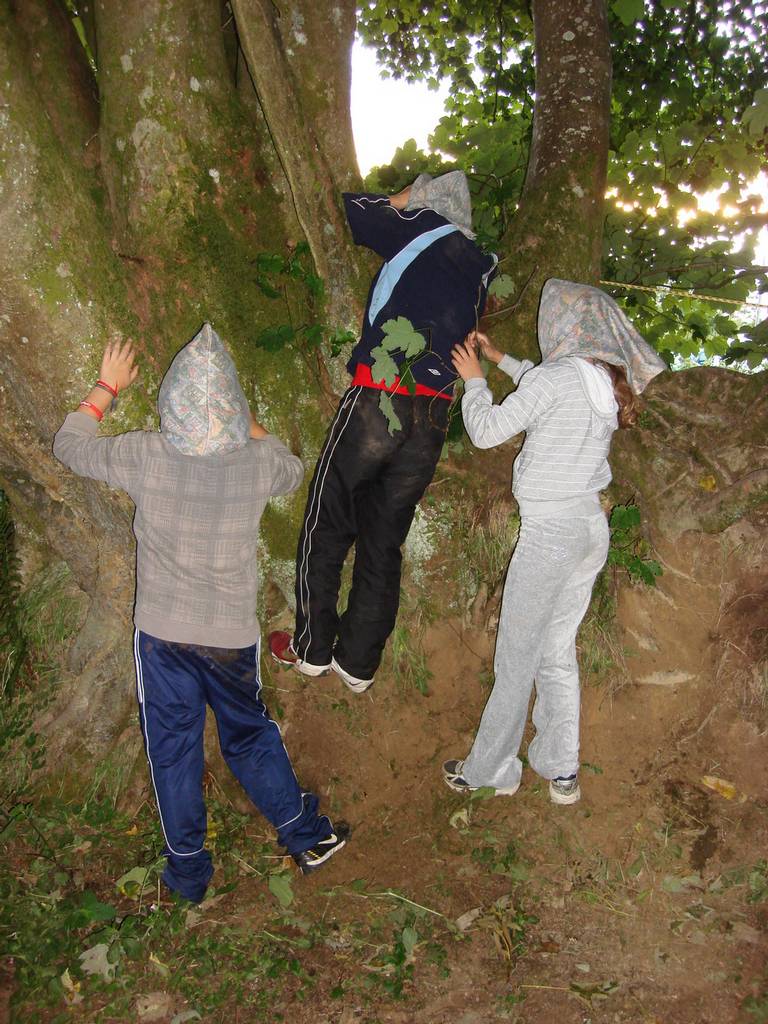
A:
(568, 412)
(200, 485)
(565, 404)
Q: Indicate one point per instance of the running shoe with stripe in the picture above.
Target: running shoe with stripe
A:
(453, 777)
(280, 646)
(351, 682)
(313, 858)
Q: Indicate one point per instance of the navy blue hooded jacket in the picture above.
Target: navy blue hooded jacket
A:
(442, 291)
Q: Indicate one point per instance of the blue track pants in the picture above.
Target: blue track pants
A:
(175, 682)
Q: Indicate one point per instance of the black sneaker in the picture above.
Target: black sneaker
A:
(313, 858)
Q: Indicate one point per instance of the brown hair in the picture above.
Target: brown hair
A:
(626, 399)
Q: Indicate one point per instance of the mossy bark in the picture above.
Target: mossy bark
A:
(134, 203)
(557, 231)
(697, 458)
(289, 50)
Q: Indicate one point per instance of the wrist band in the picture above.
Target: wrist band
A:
(110, 392)
(107, 387)
(94, 408)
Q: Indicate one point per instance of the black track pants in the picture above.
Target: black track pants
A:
(364, 492)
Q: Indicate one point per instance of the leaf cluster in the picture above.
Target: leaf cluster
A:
(689, 117)
(275, 272)
(400, 348)
(628, 548)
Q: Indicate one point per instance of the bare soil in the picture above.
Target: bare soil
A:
(641, 903)
(646, 902)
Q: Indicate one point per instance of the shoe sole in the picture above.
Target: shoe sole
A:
(304, 668)
(509, 791)
(355, 685)
(562, 799)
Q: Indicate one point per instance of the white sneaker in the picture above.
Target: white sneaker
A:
(565, 791)
(281, 649)
(354, 684)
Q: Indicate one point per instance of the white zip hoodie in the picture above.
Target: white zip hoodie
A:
(569, 413)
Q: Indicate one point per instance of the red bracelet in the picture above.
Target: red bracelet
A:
(109, 387)
(93, 408)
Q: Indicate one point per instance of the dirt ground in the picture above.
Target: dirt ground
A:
(646, 902)
(645, 895)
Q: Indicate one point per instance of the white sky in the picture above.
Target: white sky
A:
(385, 112)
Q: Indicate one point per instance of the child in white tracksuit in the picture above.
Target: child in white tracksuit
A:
(593, 365)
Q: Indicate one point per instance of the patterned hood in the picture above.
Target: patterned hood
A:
(447, 195)
(203, 410)
(578, 320)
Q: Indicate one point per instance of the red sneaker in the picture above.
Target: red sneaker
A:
(281, 648)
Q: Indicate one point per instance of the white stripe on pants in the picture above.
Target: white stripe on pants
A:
(547, 592)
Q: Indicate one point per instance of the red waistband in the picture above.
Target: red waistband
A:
(363, 378)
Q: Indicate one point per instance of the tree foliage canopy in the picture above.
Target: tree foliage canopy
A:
(689, 117)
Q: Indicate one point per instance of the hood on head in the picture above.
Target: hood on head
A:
(203, 410)
(579, 320)
(598, 388)
(447, 195)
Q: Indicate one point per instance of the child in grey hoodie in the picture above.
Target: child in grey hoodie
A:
(593, 365)
(199, 485)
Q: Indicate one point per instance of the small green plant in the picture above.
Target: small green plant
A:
(508, 922)
(756, 1008)
(501, 858)
(409, 660)
(274, 273)
(395, 967)
(599, 649)
(629, 549)
(488, 539)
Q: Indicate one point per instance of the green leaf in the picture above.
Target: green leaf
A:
(483, 793)
(386, 406)
(94, 910)
(645, 570)
(269, 290)
(280, 886)
(401, 336)
(623, 517)
(383, 368)
(758, 334)
(629, 11)
(314, 335)
(136, 882)
(338, 339)
(270, 263)
(502, 286)
(756, 116)
(409, 939)
(275, 338)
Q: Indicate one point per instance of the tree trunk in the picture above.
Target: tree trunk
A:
(557, 231)
(315, 152)
(136, 206)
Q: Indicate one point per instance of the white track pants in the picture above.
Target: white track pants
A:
(547, 592)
